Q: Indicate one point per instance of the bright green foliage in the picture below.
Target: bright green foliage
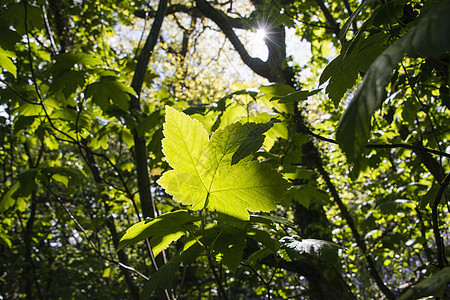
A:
(204, 175)
(161, 231)
(76, 143)
(27, 181)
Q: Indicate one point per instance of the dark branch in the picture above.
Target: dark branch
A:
(192, 11)
(264, 69)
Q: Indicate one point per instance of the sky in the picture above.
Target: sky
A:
(229, 67)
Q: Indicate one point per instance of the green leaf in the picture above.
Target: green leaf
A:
(433, 286)
(63, 175)
(251, 138)
(272, 90)
(162, 230)
(7, 200)
(5, 239)
(163, 278)
(293, 248)
(110, 91)
(231, 244)
(264, 219)
(348, 23)
(6, 61)
(263, 237)
(66, 61)
(428, 37)
(67, 82)
(23, 122)
(295, 96)
(343, 70)
(22, 188)
(204, 176)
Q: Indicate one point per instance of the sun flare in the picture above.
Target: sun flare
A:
(258, 47)
(260, 34)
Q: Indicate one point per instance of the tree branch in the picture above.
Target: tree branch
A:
(272, 68)
(192, 11)
(140, 144)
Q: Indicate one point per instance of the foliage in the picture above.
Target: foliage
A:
(207, 173)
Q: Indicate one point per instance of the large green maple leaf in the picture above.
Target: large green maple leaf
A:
(218, 173)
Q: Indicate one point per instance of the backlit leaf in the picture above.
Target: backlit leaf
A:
(204, 176)
(66, 61)
(6, 61)
(162, 230)
(22, 188)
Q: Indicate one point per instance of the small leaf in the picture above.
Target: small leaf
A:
(251, 139)
(22, 188)
(65, 175)
(343, 71)
(305, 194)
(7, 200)
(23, 122)
(263, 237)
(275, 90)
(5, 239)
(66, 61)
(162, 230)
(6, 61)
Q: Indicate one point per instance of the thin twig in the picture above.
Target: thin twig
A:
(49, 30)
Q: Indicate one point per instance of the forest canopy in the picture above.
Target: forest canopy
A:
(262, 149)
